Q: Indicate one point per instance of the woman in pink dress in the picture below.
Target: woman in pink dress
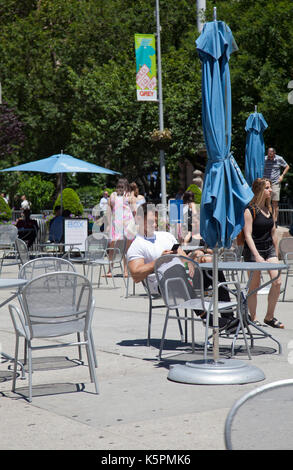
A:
(122, 225)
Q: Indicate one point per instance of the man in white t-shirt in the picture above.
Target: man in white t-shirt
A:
(147, 247)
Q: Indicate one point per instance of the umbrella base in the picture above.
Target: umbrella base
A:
(222, 372)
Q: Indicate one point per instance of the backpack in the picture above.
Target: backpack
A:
(241, 236)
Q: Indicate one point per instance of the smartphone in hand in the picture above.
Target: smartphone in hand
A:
(175, 247)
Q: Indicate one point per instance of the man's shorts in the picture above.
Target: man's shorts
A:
(275, 192)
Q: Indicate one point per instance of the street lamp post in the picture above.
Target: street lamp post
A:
(161, 114)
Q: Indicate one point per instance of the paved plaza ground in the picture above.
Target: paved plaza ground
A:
(138, 407)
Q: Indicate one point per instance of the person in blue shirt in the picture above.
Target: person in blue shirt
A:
(56, 227)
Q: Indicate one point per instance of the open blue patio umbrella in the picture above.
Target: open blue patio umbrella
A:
(61, 163)
(255, 147)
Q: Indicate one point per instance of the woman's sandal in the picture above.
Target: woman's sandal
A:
(274, 323)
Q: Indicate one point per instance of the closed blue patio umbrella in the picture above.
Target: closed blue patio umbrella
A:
(255, 147)
(225, 193)
(61, 163)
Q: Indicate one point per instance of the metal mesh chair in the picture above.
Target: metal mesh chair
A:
(262, 419)
(180, 282)
(22, 251)
(44, 265)
(286, 254)
(8, 235)
(97, 255)
(116, 255)
(54, 305)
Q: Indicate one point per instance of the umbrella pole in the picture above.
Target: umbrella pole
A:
(215, 305)
(61, 187)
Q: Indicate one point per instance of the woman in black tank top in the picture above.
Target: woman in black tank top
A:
(261, 245)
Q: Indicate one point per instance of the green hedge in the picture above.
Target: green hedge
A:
(5, 211)
(70, 201)
(196, 191)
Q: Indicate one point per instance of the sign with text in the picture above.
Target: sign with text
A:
(76, 232)
(146, 68)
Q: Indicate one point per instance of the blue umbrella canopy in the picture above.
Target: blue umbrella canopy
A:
(225, 192)
(61, 163)
(255, 147)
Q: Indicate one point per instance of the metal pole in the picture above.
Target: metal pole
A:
(215, 305)
(161, 116)
(201, 8)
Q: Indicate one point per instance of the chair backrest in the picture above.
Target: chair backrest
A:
(95, 246)
(8, 234)
(285, 247)
(56, 298)
(262, 419)
(22, 250)
(179, 279)
(228, 255)
(37, 267)
(119, 250)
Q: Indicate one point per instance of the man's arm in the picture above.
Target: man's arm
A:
(287, 168)
(139, 270)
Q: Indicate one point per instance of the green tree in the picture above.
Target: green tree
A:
(37, 190)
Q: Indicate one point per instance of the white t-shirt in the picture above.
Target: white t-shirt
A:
(25, 204)
(150, 250)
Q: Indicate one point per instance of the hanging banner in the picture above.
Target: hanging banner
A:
(146, 69)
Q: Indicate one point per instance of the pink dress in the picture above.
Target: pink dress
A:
(122, 220)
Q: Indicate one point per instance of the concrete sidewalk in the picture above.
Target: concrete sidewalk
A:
(138, 407)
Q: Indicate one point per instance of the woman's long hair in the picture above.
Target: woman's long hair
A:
(258, 188)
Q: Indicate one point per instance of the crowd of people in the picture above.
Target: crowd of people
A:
(126, 216)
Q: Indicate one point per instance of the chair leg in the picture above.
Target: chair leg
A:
(15, 363)
(79, 348)
(111, 270)
(285, 286)
(150, 321)
(93, 348)
(163, 334)
(186, 326)
(90, 356)
(192, 332)
(122, 270)
(180, 326)
(30, 372)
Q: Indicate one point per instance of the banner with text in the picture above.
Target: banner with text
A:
(146, 69)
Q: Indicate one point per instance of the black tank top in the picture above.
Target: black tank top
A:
(261, 227)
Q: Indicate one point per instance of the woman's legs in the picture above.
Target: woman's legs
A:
(274, 291)
(111, 246)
